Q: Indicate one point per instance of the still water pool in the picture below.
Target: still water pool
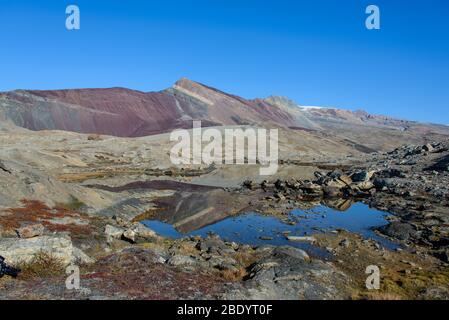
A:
(257, 229)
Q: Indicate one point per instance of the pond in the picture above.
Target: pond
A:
(257, 229)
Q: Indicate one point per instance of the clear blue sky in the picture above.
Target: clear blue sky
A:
(316, 52)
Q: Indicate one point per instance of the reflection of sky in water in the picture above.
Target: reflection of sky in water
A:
(248, 228)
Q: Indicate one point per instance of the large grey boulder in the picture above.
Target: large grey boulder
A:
(18, 251)
(289, 273)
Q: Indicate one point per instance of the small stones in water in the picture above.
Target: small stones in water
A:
(301, 239)
(267, 238)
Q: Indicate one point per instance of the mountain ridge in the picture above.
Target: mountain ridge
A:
(125, 112)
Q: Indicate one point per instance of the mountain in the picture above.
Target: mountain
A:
(129, 113)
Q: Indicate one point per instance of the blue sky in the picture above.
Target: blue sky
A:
(315, 52)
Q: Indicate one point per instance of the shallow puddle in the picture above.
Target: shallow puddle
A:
(257, 229)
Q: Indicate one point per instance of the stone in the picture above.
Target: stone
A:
(428, 147)
(79, 257)
(30, 231)
(332, 192)
(18, 251)
(280, 185)
(279, 196)
(130, 235)
(211, 244)
(249, 184)
(181, 260)
(362, 176)
(122, 221)
(293, 184)
(344, 243)
(399, 230)
(381, 184)
(135, 232)
(364, 186)
(301, 239)
(143, 232)
(336, 183)
(291, 252)
(113, 232)
(288, 273)
(345, 179)
(311, 187)
(222, 262)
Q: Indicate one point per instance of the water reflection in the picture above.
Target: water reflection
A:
(256, 229)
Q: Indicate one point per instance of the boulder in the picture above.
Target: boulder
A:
(336, 183)
(79, 257)
(310, 187)
(137, 232)
(364, 186)
(30, 231)
(212, 244)
(380, 184)
(288, 273)
(362, 176)
(280, 185)
(249, 184)
(332, 192)
(18, 251)
(399, 230)
(113, 232)
(143, 232)
(428, 147)
(345, 179)
(130, 235)
(222, 262)
(181, 260)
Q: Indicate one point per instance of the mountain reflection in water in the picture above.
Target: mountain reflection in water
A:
(249, 228)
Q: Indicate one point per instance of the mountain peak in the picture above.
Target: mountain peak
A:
(186, 82)
(281, 101)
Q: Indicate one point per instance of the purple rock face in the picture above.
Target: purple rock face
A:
(129, 113)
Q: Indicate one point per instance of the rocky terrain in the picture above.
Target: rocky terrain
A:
(81, 170)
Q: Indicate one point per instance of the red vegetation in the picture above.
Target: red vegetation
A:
(37, 212)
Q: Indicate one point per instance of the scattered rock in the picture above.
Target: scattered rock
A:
(301, 239)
